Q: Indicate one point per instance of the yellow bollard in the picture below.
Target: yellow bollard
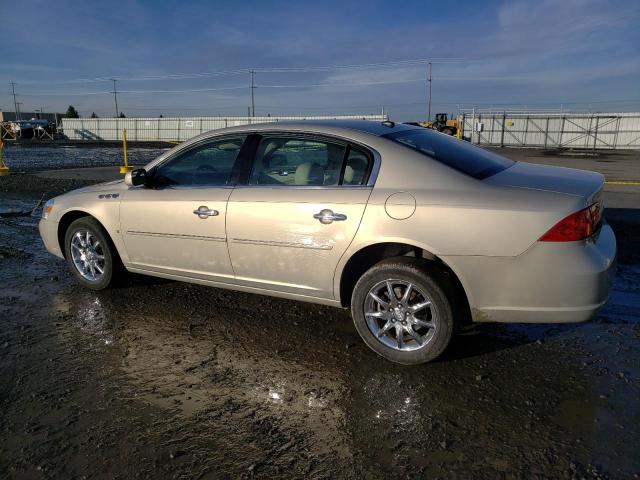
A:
(126, 168)
(4, 170)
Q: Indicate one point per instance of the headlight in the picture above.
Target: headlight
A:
(47, 209)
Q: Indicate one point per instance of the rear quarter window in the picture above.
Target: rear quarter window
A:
(457, 154)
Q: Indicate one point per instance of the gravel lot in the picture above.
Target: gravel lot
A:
(162, 379)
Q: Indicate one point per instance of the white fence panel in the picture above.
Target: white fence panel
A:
(553, 130)
(175, 129)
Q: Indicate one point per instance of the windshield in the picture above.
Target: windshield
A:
(459, 154)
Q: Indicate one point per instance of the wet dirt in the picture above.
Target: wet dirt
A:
(160, 379)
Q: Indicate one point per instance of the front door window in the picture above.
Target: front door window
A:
(208, 165)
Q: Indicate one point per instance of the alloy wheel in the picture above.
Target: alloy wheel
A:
(88, 255)
(400, 315)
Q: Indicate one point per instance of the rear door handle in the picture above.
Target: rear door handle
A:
(327, 216)
(204, 212)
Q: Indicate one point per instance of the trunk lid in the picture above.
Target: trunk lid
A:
(568, 181)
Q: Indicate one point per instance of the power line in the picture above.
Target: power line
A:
(139, 91)
(414, 62)
(187, 75)
(235, 87)
(336, 84)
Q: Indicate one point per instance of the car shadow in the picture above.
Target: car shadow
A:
(485, 338)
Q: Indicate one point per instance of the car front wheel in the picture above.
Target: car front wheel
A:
(401, 311)
(91, 255)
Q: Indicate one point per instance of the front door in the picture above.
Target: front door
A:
(178, 225)
(298, 212)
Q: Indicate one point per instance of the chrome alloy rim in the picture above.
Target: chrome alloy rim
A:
(400, 315)
(88, 255)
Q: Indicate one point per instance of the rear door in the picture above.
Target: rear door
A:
(178, 226)
(297, 212)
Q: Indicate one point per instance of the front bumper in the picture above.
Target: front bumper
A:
(49, 233)
(549, 283)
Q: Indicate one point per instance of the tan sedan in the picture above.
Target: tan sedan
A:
(415, 231)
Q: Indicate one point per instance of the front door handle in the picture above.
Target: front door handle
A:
(204, 212)
(327, 216)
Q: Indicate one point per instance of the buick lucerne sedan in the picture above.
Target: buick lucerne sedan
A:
(415, 231)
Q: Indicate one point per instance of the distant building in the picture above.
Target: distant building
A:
(12, 117)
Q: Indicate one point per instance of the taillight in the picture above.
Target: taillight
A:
(577, 226)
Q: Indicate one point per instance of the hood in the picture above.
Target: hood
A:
(568, 181)
(112, 186)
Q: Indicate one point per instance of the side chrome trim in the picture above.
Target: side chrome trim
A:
(232, 285)
(308, 187)
(177, 235)
(273, 243)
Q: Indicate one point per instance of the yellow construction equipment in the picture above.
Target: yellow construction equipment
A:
(443, 124)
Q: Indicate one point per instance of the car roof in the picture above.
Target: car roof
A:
(367, 126)
(324, 126)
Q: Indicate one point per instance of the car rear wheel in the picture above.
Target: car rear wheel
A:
(401, 312)
(91, 255)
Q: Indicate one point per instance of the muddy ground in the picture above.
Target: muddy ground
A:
(160, 379)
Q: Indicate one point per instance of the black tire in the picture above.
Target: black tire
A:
(425, 280)
(113, 270)
(448, 131)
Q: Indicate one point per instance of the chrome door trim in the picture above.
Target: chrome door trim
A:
(177, 235)
(307, 187)
(232, 284)
(275, 243)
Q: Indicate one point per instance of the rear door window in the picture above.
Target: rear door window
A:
(297, 161)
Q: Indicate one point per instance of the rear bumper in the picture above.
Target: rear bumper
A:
(49, 233)
(549, 283)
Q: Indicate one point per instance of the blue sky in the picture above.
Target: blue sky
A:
(581, 54)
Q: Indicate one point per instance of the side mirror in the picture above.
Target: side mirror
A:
(136, 177)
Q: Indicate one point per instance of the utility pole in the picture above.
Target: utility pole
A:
(253, 87)
(429, 79)
(115, 95)
(15, 104)
(18, 110)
